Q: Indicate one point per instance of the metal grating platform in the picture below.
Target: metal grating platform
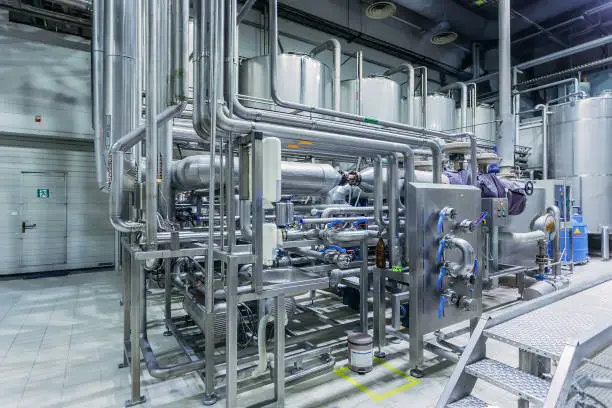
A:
(525, 385)
(546, 331)
(600, 366)
(469, 402)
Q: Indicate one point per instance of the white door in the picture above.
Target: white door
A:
(43, 218)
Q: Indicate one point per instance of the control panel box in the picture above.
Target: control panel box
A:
(497, 211)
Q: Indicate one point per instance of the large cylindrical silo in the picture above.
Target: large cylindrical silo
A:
(485, 128)
(300, 79)
(440, 112)
(380, 98)
(579, 146)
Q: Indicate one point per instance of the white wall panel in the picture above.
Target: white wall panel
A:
(89, 235)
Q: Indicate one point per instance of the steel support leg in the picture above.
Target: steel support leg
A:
(279, 352)
(137, 278)
(231, 337)
(127, 296)
(528, 362)
(379, 311)
(210, 398)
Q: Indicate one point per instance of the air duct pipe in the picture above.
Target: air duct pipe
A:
(522, 237)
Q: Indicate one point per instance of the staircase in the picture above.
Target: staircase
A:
(540, 329)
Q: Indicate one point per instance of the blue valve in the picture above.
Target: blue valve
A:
(440, 222)
(440, 278)
(334, 223)
(441, 250)
(481, 219)
(441, 307)
(475, 267)
(361, 222)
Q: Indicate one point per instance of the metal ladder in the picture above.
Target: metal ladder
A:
(541, 331)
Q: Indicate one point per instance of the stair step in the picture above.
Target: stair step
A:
(524, 385)
(469, 402)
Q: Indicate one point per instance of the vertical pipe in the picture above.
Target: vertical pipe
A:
(506, 137)
(605, 243)
(231, 28)
(424, 101)
(359, 59)
(126, 271)
(393, 196)
(97, 61)
(210, 29)
(151, 125)
(544, 141)
(364, 286)
(475, 60)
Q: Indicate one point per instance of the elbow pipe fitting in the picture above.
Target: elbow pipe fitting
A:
(466, 267)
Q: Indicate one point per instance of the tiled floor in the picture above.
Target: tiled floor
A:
(60, 343)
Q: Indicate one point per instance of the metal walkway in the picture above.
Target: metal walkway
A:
(552, 328)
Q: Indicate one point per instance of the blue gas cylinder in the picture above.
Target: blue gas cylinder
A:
(578, 233)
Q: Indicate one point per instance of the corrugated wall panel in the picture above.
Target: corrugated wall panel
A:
(90, 235)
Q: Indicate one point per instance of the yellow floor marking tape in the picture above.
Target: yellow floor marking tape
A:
(341, 372)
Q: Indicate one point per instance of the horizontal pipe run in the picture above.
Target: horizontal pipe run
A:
(522, 237)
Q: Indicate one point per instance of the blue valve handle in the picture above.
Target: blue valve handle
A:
(334, 223)
(440, 222)
(441, 307)
(335, 248)
(440, 278)
(360, 222)
(441, 250)
(481, 219)
(475, 267)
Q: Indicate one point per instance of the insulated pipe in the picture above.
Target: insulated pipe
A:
(522, 237)
(333, 45)
(506, 136)
(409, 70)
(297, 177)
(343, 237)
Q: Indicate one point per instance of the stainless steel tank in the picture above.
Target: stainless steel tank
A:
(530, 135)
(485, 122)
(440, 112)
(380, 98)
(580, 142)
(300, 79)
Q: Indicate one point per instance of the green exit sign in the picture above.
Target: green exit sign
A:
(42, 193)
